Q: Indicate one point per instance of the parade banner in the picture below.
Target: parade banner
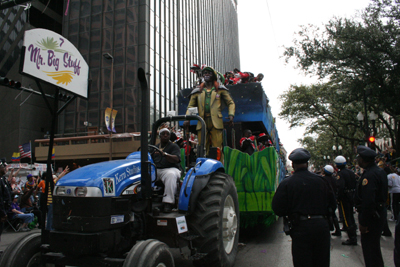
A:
(40, 167)
(52, 58)
(36, 166)
(114, 114)
(107, 117)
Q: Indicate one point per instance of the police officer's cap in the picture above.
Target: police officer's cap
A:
(366, 152)
(328, 169)
(299, 155)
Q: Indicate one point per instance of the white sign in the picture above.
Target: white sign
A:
(193, 111)
(117, 219)
(41, 167)
(52, 58)
(181, 224)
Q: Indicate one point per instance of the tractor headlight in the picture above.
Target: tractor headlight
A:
(74, 191)
(60, 191)
(81, 191)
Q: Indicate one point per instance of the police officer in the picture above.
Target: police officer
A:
(328, 175)
(305, 198)
(370, 200)
(5, 196)
(346, 183)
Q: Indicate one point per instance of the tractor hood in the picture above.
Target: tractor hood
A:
(111, 177)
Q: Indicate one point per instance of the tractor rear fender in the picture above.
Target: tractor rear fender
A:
(195, 180)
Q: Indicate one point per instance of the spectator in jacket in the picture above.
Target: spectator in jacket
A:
(394, 189)
(16, 212)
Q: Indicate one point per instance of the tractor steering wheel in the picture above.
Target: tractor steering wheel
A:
(155, 148)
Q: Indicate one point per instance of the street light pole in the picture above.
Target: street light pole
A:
(109, 56)
(366, 126)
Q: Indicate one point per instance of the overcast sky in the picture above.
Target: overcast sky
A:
(267, 25)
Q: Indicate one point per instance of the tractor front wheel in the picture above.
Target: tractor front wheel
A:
(216, 221)
(149, 253)
(24, 252)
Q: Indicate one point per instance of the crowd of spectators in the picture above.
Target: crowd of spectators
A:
(23, 199)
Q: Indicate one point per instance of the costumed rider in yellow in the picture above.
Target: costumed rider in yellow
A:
(207, 98)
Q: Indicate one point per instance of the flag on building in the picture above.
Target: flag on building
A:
(53, 154)
(16, 156)
(25, 150)
(113, 115)
(107, 117)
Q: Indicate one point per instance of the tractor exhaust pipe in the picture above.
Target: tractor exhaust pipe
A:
(145, 163)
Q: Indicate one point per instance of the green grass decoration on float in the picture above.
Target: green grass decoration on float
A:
(256, 179)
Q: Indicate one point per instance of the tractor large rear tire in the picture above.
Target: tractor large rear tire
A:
(216, 221)
(24, 252)
(149, 253)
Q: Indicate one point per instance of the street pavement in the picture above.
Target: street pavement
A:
(271, 247)
(9, 236)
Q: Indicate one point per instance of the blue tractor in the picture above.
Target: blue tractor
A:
(108, 214)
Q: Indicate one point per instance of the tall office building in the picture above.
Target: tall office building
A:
(25, 116)
(165, 37)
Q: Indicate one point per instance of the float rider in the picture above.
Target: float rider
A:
(207, 98)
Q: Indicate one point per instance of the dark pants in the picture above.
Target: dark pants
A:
(371, 242)
(311, 241)
(340, 211)
(348, 219)
(1, 228)
(396, 254)
(336, 222)
(396, 205)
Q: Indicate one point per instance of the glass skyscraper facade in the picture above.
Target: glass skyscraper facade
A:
(165, 37)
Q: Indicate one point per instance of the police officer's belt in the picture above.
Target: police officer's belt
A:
(308, 217)
(349, 190)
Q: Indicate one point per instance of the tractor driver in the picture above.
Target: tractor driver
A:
(167, 164)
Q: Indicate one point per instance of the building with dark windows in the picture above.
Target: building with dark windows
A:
(165, 37)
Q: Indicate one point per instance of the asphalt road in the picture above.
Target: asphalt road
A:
(271, 247)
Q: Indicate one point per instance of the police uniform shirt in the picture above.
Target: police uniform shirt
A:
(346, 181)
(332, 182)
(303, 193)
(372, 190)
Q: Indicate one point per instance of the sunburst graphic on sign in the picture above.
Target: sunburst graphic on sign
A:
(50, 44)
(64, 77)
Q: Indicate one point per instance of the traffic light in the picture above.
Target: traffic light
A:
(4, 81)
(371, 141)
(10, 83)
